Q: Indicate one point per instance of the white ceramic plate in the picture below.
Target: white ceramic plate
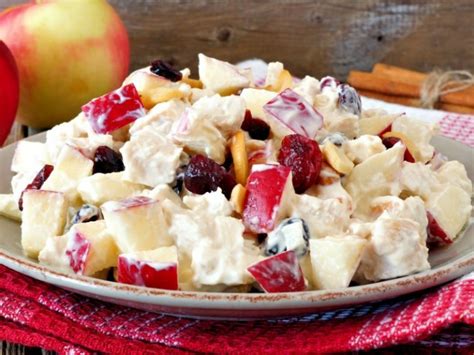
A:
(447, 264)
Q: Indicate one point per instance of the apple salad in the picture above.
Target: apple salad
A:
(228, 183)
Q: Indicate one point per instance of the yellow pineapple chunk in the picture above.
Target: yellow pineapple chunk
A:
(157, 95)
(237, 198)
(336, 157)
(239, 156)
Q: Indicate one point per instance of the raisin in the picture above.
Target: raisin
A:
(257, 128)
(166, 70)
(107, 160)
(304, 157)
(349, 99)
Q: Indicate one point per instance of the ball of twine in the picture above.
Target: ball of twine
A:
(439, 83)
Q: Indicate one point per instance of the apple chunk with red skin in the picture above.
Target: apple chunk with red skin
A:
(279, 273)
(269, 187)
(90, 248)
(152, 268)
(114, 110)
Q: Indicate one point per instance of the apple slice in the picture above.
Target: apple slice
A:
(279, 273)
(37, 182)
(44, 215)
(152, 268)
(137, 224)
(295, 113)
(221, 77)
(269, 189)
(9, 91)
(376, 123)
(114, 110)
(90, 248)
(448, 211)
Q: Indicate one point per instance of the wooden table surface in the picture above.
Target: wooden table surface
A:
(310, 37)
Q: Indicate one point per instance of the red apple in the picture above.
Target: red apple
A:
(279, 273)
(77, 251)
(9, 91)
(295, 112)
(114, 110)
(268, 189)
(67, 53)
(154, 268)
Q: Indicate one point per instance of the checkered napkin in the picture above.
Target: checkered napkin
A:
(37, 314)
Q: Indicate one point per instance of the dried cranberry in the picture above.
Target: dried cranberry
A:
(349, 99)
(166, 70)
(304, 157)
(389, 142)
(205, 175)
(107, 160)
(37, 182)
(257, 128)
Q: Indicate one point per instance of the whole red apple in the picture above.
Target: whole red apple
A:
(9, 91)
(68, 52)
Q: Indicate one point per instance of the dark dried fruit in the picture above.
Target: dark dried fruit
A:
(166, 70)
(37, 182)
(304, 157)
(87, 213)
(107, 160)
(205, 175)
(257, 128)
(349, 99)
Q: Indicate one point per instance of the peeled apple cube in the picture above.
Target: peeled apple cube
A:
(114, 110)
(152, 268)
(334, 260)
(44, 215)
(136, 224)
(269, 188)
(448, 211)
(279, 273)
(221, 77)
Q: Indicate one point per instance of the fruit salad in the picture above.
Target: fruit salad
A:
(227, 183)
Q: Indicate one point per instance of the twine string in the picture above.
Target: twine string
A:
(439, 83)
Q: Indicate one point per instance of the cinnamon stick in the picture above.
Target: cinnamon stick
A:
(410, 101)
(462, 98)
(383, 85)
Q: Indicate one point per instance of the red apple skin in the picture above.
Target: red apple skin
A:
(436, 235)
(67, 53)
(385, 130)
(9, 91)
(114, 110)
(264, 194)
(77, 250)
(147, 273)
(279, 273)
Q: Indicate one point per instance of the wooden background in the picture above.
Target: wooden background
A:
(310, 37)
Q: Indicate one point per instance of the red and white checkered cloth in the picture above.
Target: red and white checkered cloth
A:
(37, 314)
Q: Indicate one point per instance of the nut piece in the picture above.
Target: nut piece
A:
(237, 198)
(239, 156)
(194, 83)
(336, 157)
